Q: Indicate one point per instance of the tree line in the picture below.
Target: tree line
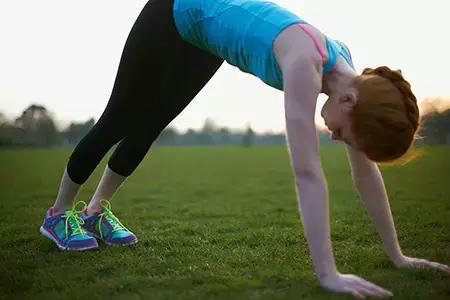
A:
(35, 127)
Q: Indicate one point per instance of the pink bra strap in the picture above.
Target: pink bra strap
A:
(317, 41)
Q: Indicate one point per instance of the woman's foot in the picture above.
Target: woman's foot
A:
(66, 230)
(106, 226)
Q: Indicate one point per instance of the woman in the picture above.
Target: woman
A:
(174, 48)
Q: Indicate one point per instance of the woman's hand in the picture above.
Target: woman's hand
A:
(354, 285)
(411, 262)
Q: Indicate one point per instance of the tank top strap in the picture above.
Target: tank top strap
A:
(330, 51)
(317, 41)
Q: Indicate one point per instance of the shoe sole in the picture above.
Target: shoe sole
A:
(48, 235)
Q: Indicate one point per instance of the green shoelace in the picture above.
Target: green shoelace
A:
(108, 215)
(74, 220)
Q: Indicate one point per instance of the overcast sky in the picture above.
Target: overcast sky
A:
(65, 54)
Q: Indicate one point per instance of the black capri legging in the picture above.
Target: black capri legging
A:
(158, 75)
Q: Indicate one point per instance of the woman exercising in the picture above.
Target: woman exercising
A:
(173, 50)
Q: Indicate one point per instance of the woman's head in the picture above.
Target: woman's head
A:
(377, 114)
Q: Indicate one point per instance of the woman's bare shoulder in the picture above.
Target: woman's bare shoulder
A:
(294, 44)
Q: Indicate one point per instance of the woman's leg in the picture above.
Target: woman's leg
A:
(158, 76)
(185, 73)
(129, 93)
(86, 156)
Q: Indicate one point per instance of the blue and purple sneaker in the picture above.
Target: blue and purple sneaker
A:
(106, 226)
(66, 230)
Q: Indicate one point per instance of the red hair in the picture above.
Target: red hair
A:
(385, 118)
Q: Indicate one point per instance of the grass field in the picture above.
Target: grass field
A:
(219, 223)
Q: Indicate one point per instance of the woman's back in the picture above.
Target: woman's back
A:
(242, 32)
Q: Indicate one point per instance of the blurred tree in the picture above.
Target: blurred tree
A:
(47, 131)
(3, 119)
(209, 126)
(189, 138)
(76, 131)
(38, 127)
(223, 136)
(206, 135)
(436, 127)
(249, 136)
(434, 104)
(168, 137)
(7, 131)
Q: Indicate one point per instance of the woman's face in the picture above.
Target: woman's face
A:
(336, 113)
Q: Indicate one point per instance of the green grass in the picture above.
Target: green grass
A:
(219, 223)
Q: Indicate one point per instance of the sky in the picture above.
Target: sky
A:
(65, 54)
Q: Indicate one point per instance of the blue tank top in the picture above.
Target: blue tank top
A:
(242, 32)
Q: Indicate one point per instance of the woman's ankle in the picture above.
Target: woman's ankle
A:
(93, 207)
(57, 210)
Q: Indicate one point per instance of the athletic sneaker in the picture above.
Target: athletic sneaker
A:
(106, 226)
(66, 230)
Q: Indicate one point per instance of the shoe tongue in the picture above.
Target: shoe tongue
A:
(104, 210)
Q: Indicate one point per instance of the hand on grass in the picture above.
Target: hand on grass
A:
(354, 285)
(411, 262)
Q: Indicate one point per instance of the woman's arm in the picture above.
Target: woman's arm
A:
(310, 184)
(302, 84)
(370, 186)
(369, 183)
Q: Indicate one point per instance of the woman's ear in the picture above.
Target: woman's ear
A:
(347, 101)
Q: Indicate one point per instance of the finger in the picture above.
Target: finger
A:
(366, 290)
(438, 265)
(385, 292)
(354, 292)
(381, 290)
(373, 289)
(419, 264)
(423, 263)
(444, 268)
(441, 267)
(369, 289)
